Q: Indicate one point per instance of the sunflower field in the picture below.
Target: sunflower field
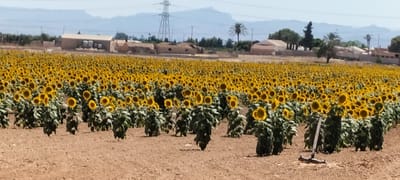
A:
(356, 103)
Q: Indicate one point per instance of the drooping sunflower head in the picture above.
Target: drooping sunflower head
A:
(287, 114)
(71, 102)
(87, 95)
(260, 114)
(92, 105)
(378, 107)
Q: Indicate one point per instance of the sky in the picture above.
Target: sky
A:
(355, 13)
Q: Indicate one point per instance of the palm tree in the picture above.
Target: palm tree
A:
(368, 37)
(238, 29)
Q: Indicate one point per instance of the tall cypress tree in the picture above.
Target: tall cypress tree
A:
(308, 37)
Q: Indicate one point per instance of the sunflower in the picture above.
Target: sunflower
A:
(281, 99)
(342, 99)
(26, 93)
(186, 93)
(378, 107)
(48, 89)
(315, 106)
(46, 100)
(71, 102)
(87, 95)
(92, 105)
(36, 100)
(287, 114)
(363, 113)
(223, 86)
(104, 101)
(129, 100)
(2, 88)
(233, 104)
(208, 100)
(187, 103)
(259, 114)
(110, 108)
(72, 83)
(199, 98)
(168, 103)
(275, 103)
(17, 97)
(150, 101)
(135, 99)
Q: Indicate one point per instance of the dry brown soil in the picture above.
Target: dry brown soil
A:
(29, 154)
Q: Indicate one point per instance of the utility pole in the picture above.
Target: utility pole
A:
(191, 33)
(252, 30)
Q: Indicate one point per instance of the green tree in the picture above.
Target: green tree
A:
(229, 43)
(238, 29)
(308, 37)
(395, 45)
(327, 49)
(121, 36)
(291, 38)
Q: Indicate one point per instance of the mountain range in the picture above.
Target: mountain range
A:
(196, 23)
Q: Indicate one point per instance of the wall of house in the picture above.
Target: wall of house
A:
(72, 44)
(383, 60)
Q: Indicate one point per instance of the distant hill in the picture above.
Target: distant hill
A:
(206, 22)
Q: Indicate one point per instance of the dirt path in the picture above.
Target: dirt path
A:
(29, 154)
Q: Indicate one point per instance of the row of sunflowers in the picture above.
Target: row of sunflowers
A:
(356, 103)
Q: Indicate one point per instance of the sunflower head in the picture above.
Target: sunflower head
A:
(260, 114)
(104, 101)
(287, 114)
(198, 98)
(208, 100)
(17, 97)
(378, 107)
(233, 103)
(26, 93)
(92, 105)
(87, 95)
(342, 99)
(187, 103)
(363, 113)
(315, 106)
(36, 101)
(71, 102)
(168, 103)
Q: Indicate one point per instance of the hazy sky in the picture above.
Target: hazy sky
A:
(346, 12)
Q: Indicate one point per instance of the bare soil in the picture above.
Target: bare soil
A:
(30, 154)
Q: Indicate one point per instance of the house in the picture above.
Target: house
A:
(181, 48)
(135, 47)
(268, 47)
(350, 53)
(381, 55)
(87, 42)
